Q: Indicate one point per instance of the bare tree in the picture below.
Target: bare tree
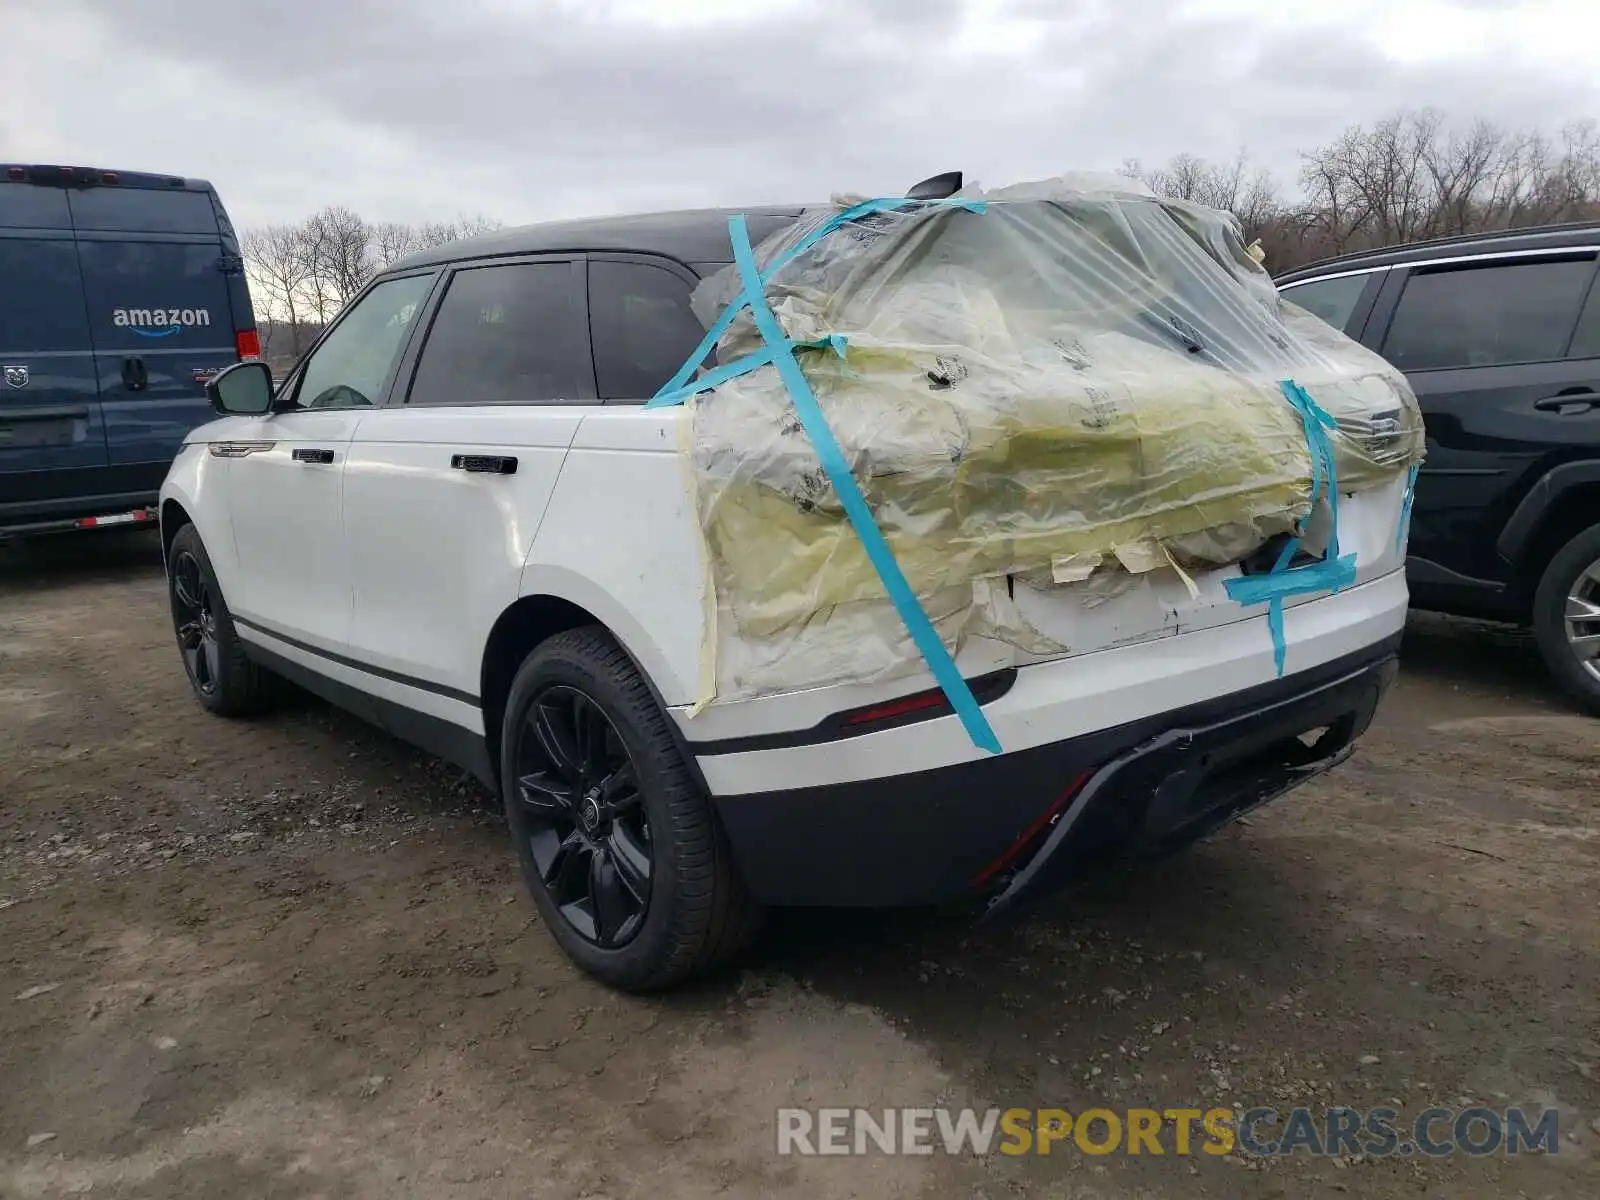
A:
(340, 246)
(1374, 186)
(392, 240)
(278, 269)
(1414, 175)
(301, 275)
(1248, 192)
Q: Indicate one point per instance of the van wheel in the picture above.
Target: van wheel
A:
(619, 847)
(223, 679)
(1566, 617)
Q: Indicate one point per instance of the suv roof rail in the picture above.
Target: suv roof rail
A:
(1456, 239)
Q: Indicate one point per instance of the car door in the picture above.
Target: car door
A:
(1488, 346)
(445, 488)
(285, 469)
(52, 438)
(160, 315)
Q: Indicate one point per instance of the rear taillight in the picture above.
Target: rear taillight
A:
(248, 343)
(897, 708)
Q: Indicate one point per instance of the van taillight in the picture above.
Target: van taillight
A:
(248, 343)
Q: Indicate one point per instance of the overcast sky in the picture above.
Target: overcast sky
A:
(525, 109)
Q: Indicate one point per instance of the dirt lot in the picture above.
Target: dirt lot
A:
(290, 958)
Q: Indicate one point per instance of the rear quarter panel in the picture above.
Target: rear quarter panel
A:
(621, 539)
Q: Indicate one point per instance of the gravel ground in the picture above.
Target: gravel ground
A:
(290, 958)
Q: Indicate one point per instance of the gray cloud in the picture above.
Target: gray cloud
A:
(406, 109)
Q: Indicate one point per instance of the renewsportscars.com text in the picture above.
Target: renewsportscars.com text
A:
(1258, 1132)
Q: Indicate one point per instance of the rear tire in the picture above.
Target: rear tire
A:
(618, 845)
(221, 675)
(1566, 609)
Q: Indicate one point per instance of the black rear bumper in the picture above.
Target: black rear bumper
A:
(1024, 824)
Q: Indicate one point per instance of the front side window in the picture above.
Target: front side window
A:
(1484, 316)
(1334, 300)
(508, 334)
(642, 325)
(349, 368)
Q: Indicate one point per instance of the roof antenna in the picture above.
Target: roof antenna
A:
(938, 187)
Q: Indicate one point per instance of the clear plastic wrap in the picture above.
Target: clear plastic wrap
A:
(1076, 385)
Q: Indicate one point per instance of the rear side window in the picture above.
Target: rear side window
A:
(642, 325)
(506, 335)
(1334, 300)
(143, 210)
(1586, 341)
(1512, 312)
(41, 297)
(23, 206)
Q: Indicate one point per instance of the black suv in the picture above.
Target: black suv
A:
(1499, 335)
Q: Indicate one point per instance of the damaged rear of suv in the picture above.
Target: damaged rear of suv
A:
(981, 537)
(1155, 516)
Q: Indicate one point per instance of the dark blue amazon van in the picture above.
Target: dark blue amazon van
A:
(121, 293)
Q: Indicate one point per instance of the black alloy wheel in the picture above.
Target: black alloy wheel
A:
(584, 816)
(194, 616)
(617, 839)
(224, 679)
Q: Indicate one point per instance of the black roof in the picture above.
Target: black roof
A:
(693, 236)
(1543, 237)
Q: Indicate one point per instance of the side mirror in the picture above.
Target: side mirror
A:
(243, 390)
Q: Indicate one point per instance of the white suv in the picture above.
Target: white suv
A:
(458, 519)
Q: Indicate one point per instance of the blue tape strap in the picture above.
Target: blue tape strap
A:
(917, 624)
(1286, 556)
(857, 212)
(1280, 647)
(837, 342)
(711, 379)
(1335, 571)
(1405, 508)
(676, 390)
(1329, 575)
(686, 372)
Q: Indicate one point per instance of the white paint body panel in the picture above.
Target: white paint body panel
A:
(435, 553)
(621, 540)
(288, 526)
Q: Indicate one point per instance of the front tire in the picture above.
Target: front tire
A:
(619, 847)
(1566, 618)
(222, 677)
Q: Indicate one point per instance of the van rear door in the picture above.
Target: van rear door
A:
(156, 272)
(52, 438)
